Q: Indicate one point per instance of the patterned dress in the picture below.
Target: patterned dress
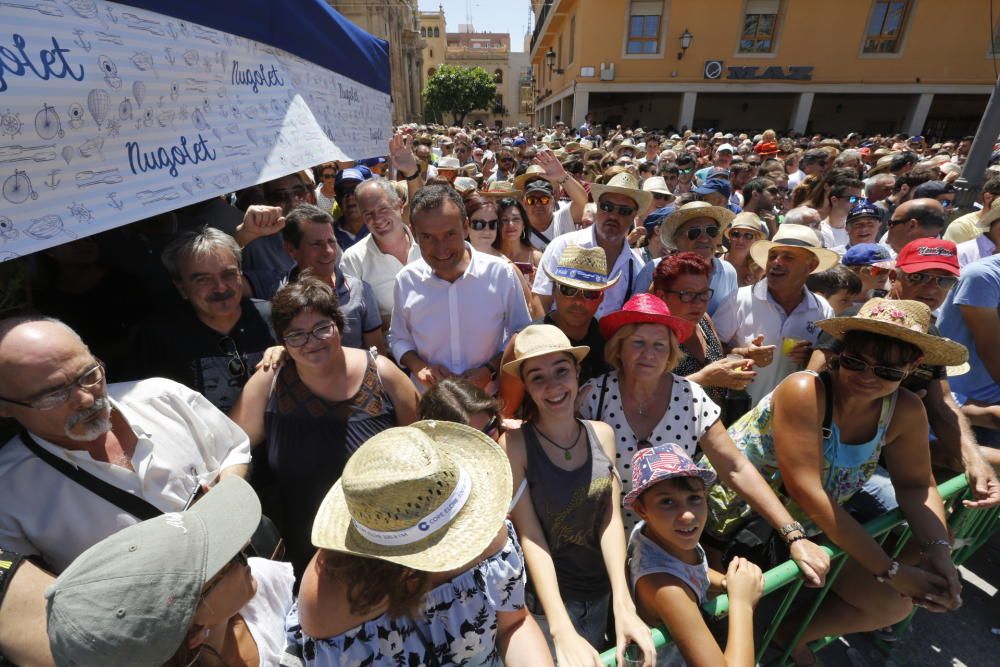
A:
(713, 352)
(455, 624)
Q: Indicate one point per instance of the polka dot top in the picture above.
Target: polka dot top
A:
(690, 415)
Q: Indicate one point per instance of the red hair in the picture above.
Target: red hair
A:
(680, 264)
(475, 202)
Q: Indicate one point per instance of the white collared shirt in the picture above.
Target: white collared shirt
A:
(460, 325)
(365, 261)
(752, 311)
(183, 441)
(629, 264)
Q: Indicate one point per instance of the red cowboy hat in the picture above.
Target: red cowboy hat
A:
(645, 309)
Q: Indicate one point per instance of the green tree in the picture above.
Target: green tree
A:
(458, 90)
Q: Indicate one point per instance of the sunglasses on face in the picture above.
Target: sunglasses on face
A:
(329, 175)
(534, 200)
(856, 199)
(661, 197)
(946, 282)
(746, 236)
(695, 232)
(608, 207)
(687, 296)
(873, 271)
(480, 225)
(573, 292)
(685, 171)
(857, 365)
(774, 192)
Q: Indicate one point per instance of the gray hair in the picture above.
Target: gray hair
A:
(883, 180)
(196, 243)
(386, 186)
(803, 215)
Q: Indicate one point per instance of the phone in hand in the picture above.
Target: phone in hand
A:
(525, 267)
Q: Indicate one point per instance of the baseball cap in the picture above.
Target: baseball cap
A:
(725, 147)
(520, 141)
(927, 254)
(933, 189)
(863, 210)
(130, 599)
(353, 174)
(655, 464)
(864, 254)
(538, 185)
(711, 185)
(657, 216)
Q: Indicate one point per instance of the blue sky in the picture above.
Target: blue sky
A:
(487, 15)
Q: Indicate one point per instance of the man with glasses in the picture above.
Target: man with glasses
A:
(155, 439)
(843, 195)
(914, 219)
(685, 174)
(213, 342)
(547, 218)
(506, 167)
(618, 203)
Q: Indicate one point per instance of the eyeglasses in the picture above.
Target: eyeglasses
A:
(687, 296)
(661, 197)
(573, 292)
(300, 338)
(947, 282)
(855, 199)
(945, 203)
(608, 207)
(685, 171)
(746, 236)
(774, 192)
(694, 232)
(872, 271)
(237, 367)
(857, 365)
(532, 200)
(480, 225)
(90, 378)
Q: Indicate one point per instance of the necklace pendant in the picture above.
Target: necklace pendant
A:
(567, 455)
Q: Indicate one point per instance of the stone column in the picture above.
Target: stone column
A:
(801, 111)
(686, 117)
(916, 117)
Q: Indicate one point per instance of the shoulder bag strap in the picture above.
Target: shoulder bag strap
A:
(600, 401)
(828, 410)
(537, 233)
(132, 504)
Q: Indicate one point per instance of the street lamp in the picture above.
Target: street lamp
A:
(550, 60)
(686, 38)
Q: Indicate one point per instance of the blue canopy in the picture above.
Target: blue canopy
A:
(310, 29)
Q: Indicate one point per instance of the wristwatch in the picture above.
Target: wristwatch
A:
(791, 528)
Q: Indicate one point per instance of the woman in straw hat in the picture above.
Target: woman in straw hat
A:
(818, 438)
(745, 230)
(568, 514)
(647, 404)
(416, 563)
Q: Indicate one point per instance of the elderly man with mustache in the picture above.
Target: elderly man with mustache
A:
(92, 458)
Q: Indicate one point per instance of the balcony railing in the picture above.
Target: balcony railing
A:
(542, 15)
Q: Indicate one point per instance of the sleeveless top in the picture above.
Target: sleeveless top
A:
(570, 505)
(846, 466)
(454, 624)
(713, 352)
(309, 440)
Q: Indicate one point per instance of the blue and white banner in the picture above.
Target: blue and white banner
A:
(111, 113)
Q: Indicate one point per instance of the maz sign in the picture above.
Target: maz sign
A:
(714, 70)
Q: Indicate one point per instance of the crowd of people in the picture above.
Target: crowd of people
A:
(502, 397)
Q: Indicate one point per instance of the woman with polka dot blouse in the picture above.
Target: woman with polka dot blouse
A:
(646, 404)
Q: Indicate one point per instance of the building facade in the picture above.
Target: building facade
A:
(396, 22)
(489, 50)
(915, 66)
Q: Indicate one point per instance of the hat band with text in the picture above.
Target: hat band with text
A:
(431, 523)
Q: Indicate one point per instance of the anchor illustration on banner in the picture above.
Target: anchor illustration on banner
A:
(115, 201)
(53, 182)
(81, 42)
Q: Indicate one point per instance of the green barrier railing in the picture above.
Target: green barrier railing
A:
(970, 529)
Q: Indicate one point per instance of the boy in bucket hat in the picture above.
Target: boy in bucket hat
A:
(668, 569)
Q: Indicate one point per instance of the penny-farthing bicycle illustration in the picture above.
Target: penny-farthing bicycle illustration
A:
(47, 123)
(17, 188)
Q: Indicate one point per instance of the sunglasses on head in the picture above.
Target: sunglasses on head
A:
(573, 292)
(857, 365)
(746, 236)
(947, 282)
(532, 200)
(608, 207)
(480, 225)
(695, 232)
(687, 296)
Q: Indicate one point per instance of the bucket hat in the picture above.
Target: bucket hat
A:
(652, 465)
(645, 309)
(795, 236)
(430, 496)
(537, 340)
(585, 268)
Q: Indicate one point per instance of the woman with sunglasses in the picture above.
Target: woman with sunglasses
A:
(567, 506)
(458, 400)
(316, 409)
(745, 230)
(325, 193)
(818, 437)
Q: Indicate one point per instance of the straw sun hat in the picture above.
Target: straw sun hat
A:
(907, 321)
(430, 496)
(690, 211)
(623, 184)
(537, 340)
(795, 236)
(585, 268)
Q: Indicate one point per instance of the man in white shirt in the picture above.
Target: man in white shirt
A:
(454, 308)
(842, 197)
(378, 259)
(777, 316)
(155, 439)
(546, 218)
(618, 203)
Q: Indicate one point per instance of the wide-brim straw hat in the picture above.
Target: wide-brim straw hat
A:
(623, 184)
(532, 173)
(594, 154)
(657, 184)
(907, 321)
(452, 163)
(690, 211)
(501, 189)
(747, 220)
(431, 496)
(537, 340)
(465, 185)
(795, 236)
(625, 145)
(585, 268)
(645, 308)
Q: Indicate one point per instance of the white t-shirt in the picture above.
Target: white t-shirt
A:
(562, 223)
(265, 612)
(833, 236)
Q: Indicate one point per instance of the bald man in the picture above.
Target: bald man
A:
(914, 219)
(155, 439)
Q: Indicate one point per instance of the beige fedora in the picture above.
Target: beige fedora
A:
(585, 268)
(795, 236)
(658, 185)
(747, 220)
(626, 145)
(532, 173)
(500, 189)
(623, 184)
(430, 496)
(537, 340)
(690, 211)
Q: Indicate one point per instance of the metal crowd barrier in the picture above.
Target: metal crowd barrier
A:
(970, 528)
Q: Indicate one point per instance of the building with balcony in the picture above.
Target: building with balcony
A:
(915, 66)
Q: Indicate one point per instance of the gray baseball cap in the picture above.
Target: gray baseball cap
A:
(130, 598)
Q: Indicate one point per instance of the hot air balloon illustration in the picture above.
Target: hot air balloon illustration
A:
(68, 152)
(97, 103)
(139, 92)
(125, 109)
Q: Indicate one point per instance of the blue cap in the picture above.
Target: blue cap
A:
(657, 216)
(372, 162)
(719, 185)
(520, 141)
(863, 210)
(351, 174)
(864, 254)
